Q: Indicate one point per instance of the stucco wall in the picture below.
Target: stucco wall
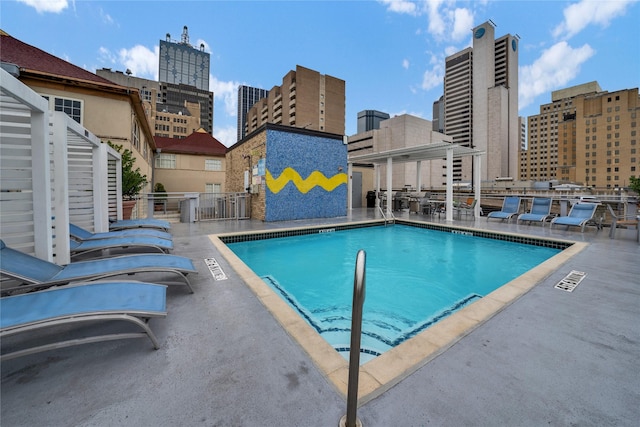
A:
(190, 174)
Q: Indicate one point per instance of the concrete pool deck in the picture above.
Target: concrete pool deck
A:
(551, 357)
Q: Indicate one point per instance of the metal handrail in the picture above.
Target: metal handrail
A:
(351, 420)
(391, 220)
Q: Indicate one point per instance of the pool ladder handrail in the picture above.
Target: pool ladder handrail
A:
(387, 220)
(351, 419)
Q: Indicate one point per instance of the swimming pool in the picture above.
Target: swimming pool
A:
(415, 277)
(386, 370)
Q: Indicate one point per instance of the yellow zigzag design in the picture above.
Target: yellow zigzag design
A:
(304, 185)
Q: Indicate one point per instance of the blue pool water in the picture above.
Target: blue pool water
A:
(414, 277)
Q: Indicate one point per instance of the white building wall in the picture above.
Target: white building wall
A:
(483, 78)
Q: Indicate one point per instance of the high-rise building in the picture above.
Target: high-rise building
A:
(522, 124)
(165, 121)
(585, 136)
(370, 120)
(306, 99)
(438, 115)
(183, 73)
(247, 96)
(181, 63)
(481, 103)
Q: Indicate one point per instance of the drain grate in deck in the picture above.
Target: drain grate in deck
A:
(572, 280)
(215, 269)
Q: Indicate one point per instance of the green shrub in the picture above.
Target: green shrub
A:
(133, 181)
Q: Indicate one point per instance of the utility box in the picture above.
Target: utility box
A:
(188, 207)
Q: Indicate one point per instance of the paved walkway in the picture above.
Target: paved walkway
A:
(550, 358)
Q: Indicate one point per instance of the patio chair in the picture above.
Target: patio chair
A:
(36, 273)
(139, 243)
(580, 215)
(98, 302)
(510, 208)
(626, 221)
(540, 211)
(125, 224)
(466, 208)
(80, 234)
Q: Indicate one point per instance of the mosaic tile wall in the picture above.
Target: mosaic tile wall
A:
(305, 176)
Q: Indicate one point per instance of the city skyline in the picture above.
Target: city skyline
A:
(390, 53)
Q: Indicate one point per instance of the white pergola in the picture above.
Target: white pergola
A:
(418, 154)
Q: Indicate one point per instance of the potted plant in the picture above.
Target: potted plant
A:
(133, 180)
(159, 197)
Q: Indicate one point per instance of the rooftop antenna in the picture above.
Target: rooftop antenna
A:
(168, 37)
(493, 23)
(517, 36)
(185, 35)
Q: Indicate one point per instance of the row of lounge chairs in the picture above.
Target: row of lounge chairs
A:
(39, 294)
(580, 214)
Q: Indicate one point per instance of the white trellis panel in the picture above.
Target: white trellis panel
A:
(52, 172)
(25, 185)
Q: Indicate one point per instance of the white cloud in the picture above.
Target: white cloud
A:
(105, 55)
(553, 69)
(405, 64)
(199, 42)
(227, 92)
(227, 135)
(433, 78)
(578, 16)
(436, 25)
(142, 61)
(43, 6)
(462, 24)
(106, 18)
(400, 6)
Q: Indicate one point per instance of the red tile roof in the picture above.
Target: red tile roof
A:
(31, 59)
(199, 142)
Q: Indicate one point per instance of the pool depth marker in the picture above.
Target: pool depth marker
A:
(215, 269)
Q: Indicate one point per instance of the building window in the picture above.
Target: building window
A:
(135, 139)
(166, 161)
(213, 165)
(71, 107)
(212, 188)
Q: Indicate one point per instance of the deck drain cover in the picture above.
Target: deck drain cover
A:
(572, 280)
(215, 269)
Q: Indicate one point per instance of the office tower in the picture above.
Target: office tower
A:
(481, 103)
(585, 136)
(183, 73)
(438, 115)
(370, 120)
(247, 96)
(165, 121)
(181, 63)
(306, 99)
(522, 124)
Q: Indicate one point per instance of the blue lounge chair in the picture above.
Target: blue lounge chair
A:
(81, 234)
(540, 211)
(36, 273)
(139, 243)
(580, 215)
(133, 302)
(125, 224)
(510, 208)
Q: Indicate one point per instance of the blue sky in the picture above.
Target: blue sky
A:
(390, 53)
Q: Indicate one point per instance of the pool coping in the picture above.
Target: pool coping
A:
(383, 372)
